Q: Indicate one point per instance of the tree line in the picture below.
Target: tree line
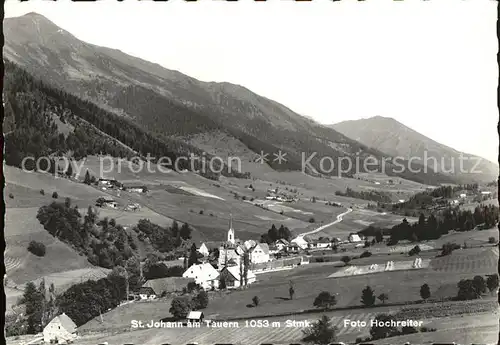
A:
(371, 195)
(434, 226)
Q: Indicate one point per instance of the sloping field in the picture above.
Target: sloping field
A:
(211, 216)
(228, 147)
(465, 329)
(21, 227)
(310, 280)
(64, 280)
(131, 218)
(28, 186)
(478, 260)
(335, 183)
(357, 220)
(122, 316)
(239, 333)
(479, 326)
(470, 238)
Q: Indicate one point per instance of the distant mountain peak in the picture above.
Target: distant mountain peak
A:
(383, 118)
(33, 14)
(390, 136)
(38, 29)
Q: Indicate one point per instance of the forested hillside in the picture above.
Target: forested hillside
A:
(156, 107)
(31, 105)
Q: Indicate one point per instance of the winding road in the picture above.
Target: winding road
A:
(339, 219)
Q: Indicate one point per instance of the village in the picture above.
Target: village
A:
(235, 264)
(184, 178)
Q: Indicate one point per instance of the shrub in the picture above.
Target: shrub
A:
(201, 211)
(11, 195)
(346, 259)
(55, 195)
(42, 192)
(255, 300)
(325, 300)
(368, 297)
(425, 292)
(408, 330)
(192, 286)
(312, 220)
(414, 251)
(180, 307)
(37, 248)
(492, 240)
(383, 297)
(201, 300)
(366, 254)
(448, 248)
(427, 329)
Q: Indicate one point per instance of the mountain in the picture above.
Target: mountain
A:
(172, 106)
(394, 138)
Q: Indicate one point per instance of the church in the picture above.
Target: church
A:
(232, 250)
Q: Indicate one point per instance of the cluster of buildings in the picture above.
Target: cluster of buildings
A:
(105, 183)
(273, 194)
(113, 184)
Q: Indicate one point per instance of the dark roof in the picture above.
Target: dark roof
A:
(146, 290)
(212, 244)
(170, 284)
(282, 240)
(263, 246)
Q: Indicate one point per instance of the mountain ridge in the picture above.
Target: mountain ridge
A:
(170, 104)
(395, 138)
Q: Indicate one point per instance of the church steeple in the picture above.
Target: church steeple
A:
(230, 232)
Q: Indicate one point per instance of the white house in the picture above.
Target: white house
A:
(204, 275)
(354, 238)
(195, 316)
(300, 241)
(207, 247)
(233, 277)
(322, 243)
(259, 253)
(203, 250)
(249, 244)
(228, 256)
(463, 195)
(106, 202)
(136, 189)
(61, 329)
(106, 182)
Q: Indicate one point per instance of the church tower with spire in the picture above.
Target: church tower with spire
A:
(230, 232)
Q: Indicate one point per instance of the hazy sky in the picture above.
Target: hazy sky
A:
(429, 64)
